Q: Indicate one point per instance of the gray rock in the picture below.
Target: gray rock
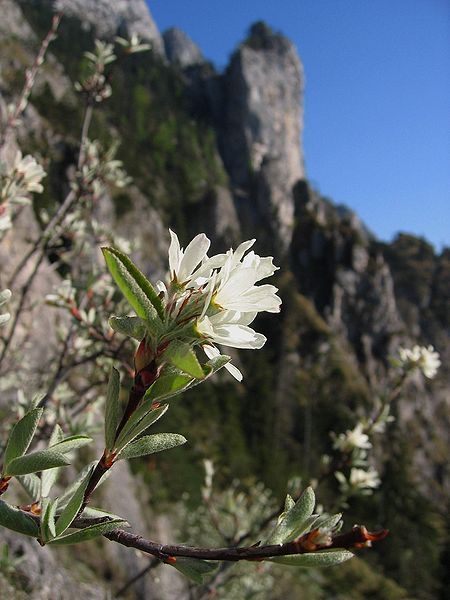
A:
(107, 16)
(180, 49)
(263, 125)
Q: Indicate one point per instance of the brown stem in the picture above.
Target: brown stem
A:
(149, 374)
(356, 538)
(102, 467)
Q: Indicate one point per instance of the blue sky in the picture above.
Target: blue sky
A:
(377, 104)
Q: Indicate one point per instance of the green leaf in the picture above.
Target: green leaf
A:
(167, 386)
(21, 435)
(184, 358)
(217, 363)
(113, 409)
(324, 558)
(129, 326)
(70, 490)
(31, 484)
(15, 519)
(71, 509)
(139, 421)
(149, 444)
(288, 503)
(90, 512)
(294, 520)
(36, 461)
(49, 477)
(194, 569)
(328, 522)
(48, 531)
(89, 533)
(211, 367)
(134, 285)
(71, 443)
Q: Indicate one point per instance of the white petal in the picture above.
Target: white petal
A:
(239, 282)
(215, 262)
(193, 255)
(258, 298)
(210, 289)
(242, 249)
(213, 352)
(238, 336)
(161, 287)
(174, 253)
(234, 371)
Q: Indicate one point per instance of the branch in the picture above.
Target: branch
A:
(30, 77)
(357, 537)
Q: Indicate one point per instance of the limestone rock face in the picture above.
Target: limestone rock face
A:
(107, 16)
(263, 125)
(346, 276)
(180, 49)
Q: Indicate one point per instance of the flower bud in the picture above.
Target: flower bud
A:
(143, 357)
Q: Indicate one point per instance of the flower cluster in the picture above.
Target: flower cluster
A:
(98, 169)
(360, 481)
(17, 182)
(351, 439)
(133, 45)
(95, 86)
(425, 359)
(219, 293)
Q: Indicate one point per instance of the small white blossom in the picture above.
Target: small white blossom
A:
(422, 358)
(355, 438)
(133, 45)
(5, 295)
(363, 479)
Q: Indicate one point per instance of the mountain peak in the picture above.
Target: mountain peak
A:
(180, 49)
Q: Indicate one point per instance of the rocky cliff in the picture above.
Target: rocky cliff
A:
(222, 152)
(111, 17)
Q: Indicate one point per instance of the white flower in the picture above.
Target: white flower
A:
(351, 439)
(28, 173)
(425, 359)
(361, 479)
(231, 329)
(219, 294)
(182, 263)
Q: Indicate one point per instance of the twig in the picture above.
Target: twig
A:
(30, 77)
(357, 537)
(151, 565)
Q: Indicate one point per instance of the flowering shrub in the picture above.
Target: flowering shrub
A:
(177, 336)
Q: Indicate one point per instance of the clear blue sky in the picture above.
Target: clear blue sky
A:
(377, 107)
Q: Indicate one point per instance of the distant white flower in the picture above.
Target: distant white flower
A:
(28, 172)
(362, 479)
(133, 45)
(355, 438)
(5, 295)
(425, 359)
